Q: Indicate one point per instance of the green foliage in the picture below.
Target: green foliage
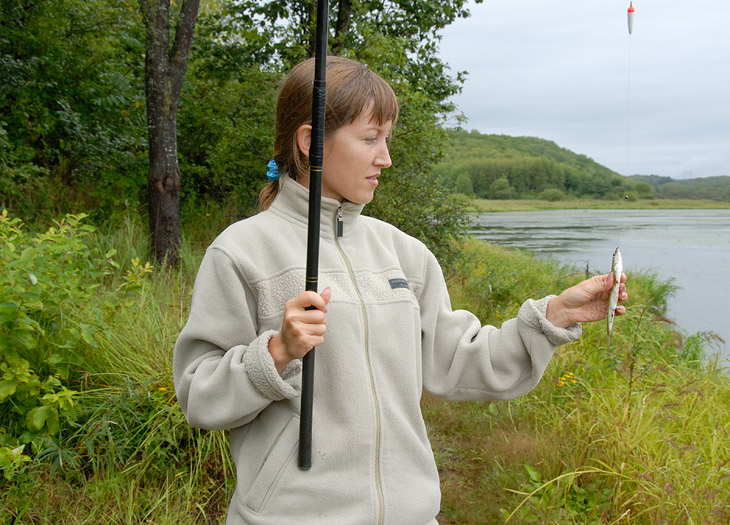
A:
(501, 189)
(72, 104)
(552, 195)
(578, 503)
(503, 167)
(124, 424)
(463, 185)
(713, 188)
(226, 140)
(410, 197)
(48, 331)
(227, 118)
(39, 345)
(76, 142)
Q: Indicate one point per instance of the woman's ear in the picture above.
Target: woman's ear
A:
(304, 139)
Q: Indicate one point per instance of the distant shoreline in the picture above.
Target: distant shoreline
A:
(488, 205)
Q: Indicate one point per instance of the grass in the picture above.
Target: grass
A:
(487, 205)
(634, 434)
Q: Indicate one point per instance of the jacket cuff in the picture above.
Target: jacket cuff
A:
(261, 370)
(533, 312)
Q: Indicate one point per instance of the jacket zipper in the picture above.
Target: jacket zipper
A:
(339, 225)
(340, 221)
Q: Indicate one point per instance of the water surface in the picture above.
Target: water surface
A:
(690, 246)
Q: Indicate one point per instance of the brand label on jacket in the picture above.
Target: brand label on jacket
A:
(398, 283)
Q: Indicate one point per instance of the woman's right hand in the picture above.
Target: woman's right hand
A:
(302, 328)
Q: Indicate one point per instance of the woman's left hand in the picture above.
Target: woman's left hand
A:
(586, 301)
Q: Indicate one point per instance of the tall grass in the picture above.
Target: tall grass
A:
(128, 456)
(634, 434)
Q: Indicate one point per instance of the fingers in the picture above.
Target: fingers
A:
(306, 300)
(304, 324)
(326, 295)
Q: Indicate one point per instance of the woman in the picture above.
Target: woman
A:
(390, 330)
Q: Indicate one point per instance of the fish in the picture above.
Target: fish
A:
(617, 267)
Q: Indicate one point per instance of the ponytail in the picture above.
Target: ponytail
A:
(268, 194)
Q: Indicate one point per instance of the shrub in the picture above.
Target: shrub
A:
(552, 195)
(43, 277)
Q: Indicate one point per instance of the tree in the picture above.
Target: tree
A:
(501, 189)
(71, 106)
(395, 38)
(464, 185)
(164, 72)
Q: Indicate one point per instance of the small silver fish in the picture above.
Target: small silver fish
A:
(617, 266)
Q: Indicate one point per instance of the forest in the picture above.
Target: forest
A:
(79, 94)
(503, 167)
(712, 188)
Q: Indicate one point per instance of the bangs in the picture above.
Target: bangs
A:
(355, 90)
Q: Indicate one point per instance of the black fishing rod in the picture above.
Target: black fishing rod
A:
(316, 155)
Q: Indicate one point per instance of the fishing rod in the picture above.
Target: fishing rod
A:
(316, 155)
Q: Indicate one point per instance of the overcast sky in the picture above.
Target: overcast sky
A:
(655, 102)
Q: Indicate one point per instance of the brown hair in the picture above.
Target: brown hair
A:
(351, 89)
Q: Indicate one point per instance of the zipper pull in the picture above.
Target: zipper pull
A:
(340, 220)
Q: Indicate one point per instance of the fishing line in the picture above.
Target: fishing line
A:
(628, 109)
(630, 20)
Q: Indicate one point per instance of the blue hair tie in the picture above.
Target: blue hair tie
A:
(273, 172)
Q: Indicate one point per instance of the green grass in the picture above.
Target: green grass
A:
(487, 205)
(637, 434)
(634, 434)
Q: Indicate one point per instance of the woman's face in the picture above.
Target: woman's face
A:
(354, 155)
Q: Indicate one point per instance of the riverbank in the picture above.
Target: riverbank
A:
(636, 433)
(488, 205)
(691, 247)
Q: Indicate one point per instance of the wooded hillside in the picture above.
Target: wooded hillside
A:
(713, 188)
(505, 167)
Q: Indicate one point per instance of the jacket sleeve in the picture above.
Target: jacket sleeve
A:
(463, 360)
(223, 372)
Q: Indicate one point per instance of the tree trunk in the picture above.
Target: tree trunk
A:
(341, 26)
(164, 73)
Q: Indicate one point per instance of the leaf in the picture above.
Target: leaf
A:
(28, 254)
(52, 422)
(25, 339)
(533, 474)
(37, 418)
(7, 388)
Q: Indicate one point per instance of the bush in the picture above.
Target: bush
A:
(46, 280)
(501, 189)
(552, 195)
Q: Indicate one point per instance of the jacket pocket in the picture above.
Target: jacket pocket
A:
(277, 458)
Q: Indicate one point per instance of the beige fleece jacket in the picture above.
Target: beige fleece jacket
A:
(391, 333)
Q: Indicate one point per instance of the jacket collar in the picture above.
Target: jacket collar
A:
(292, 202)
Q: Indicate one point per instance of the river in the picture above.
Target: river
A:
(690, 246)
